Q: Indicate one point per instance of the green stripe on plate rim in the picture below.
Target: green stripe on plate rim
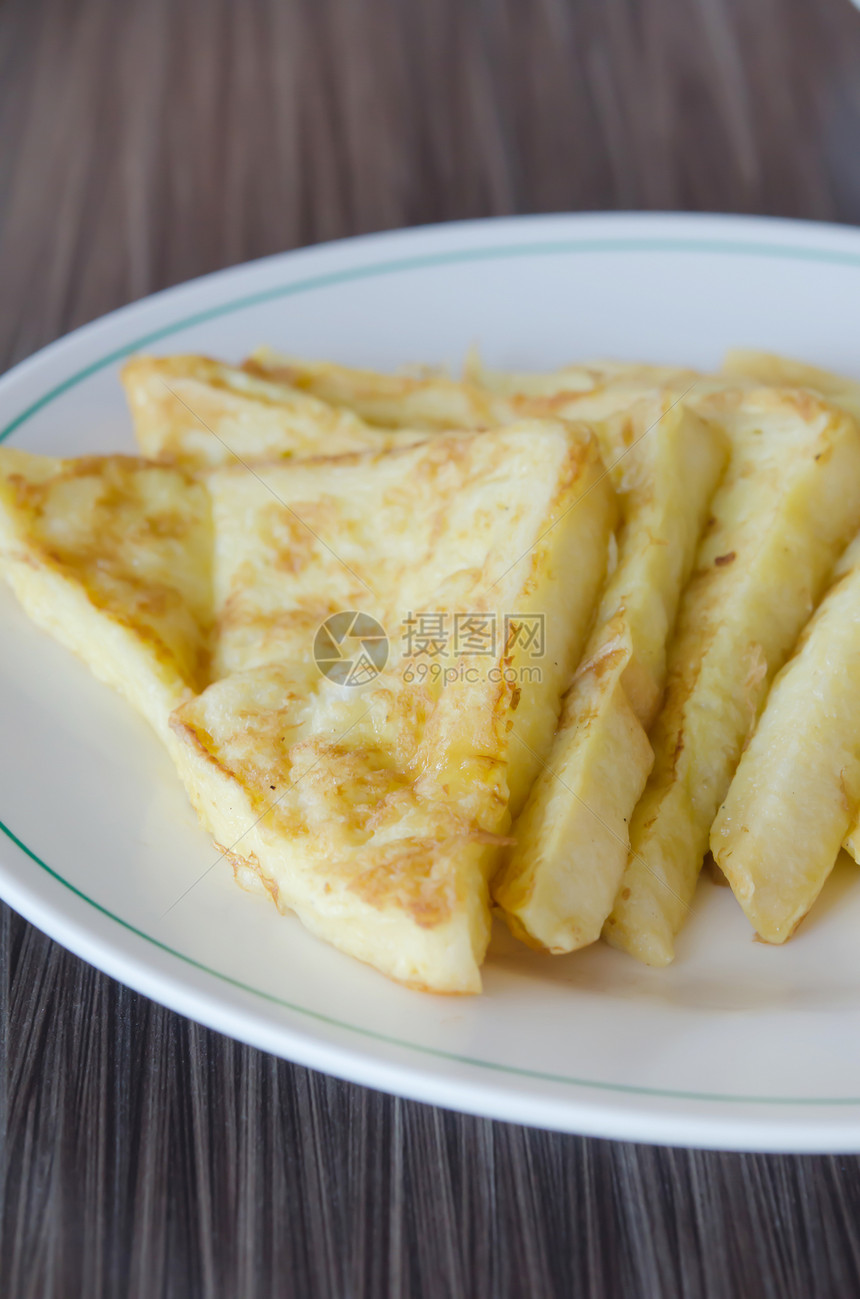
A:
(393, 267)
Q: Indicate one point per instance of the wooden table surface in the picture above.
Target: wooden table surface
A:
(145, 142)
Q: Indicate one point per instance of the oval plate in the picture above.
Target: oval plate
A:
(735, 1045)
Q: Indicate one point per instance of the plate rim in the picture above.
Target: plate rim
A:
(408, 1080)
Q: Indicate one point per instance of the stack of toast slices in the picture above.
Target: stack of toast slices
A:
(423, 648)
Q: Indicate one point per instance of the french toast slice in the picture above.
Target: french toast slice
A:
(796, 792)
(201, 413)
(767, 368)
(429, 400)
(112, 556)
(559, 882)
(377, 811)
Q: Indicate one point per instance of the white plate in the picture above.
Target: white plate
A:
(735, 1045)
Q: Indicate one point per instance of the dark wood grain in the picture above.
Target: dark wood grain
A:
(145, 142)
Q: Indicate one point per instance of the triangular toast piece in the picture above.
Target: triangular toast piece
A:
(593, 386)
(197, 412)
(789, 502)
(796, 791)
(377, 811)
(559, 882)
(767, 368)
(428, 400)
(112, 556)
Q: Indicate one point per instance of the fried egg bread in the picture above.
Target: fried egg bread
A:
(572, 839)
(112, 556)
(796, 791)
(377, 812)
(194, 411)
(428, 400)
